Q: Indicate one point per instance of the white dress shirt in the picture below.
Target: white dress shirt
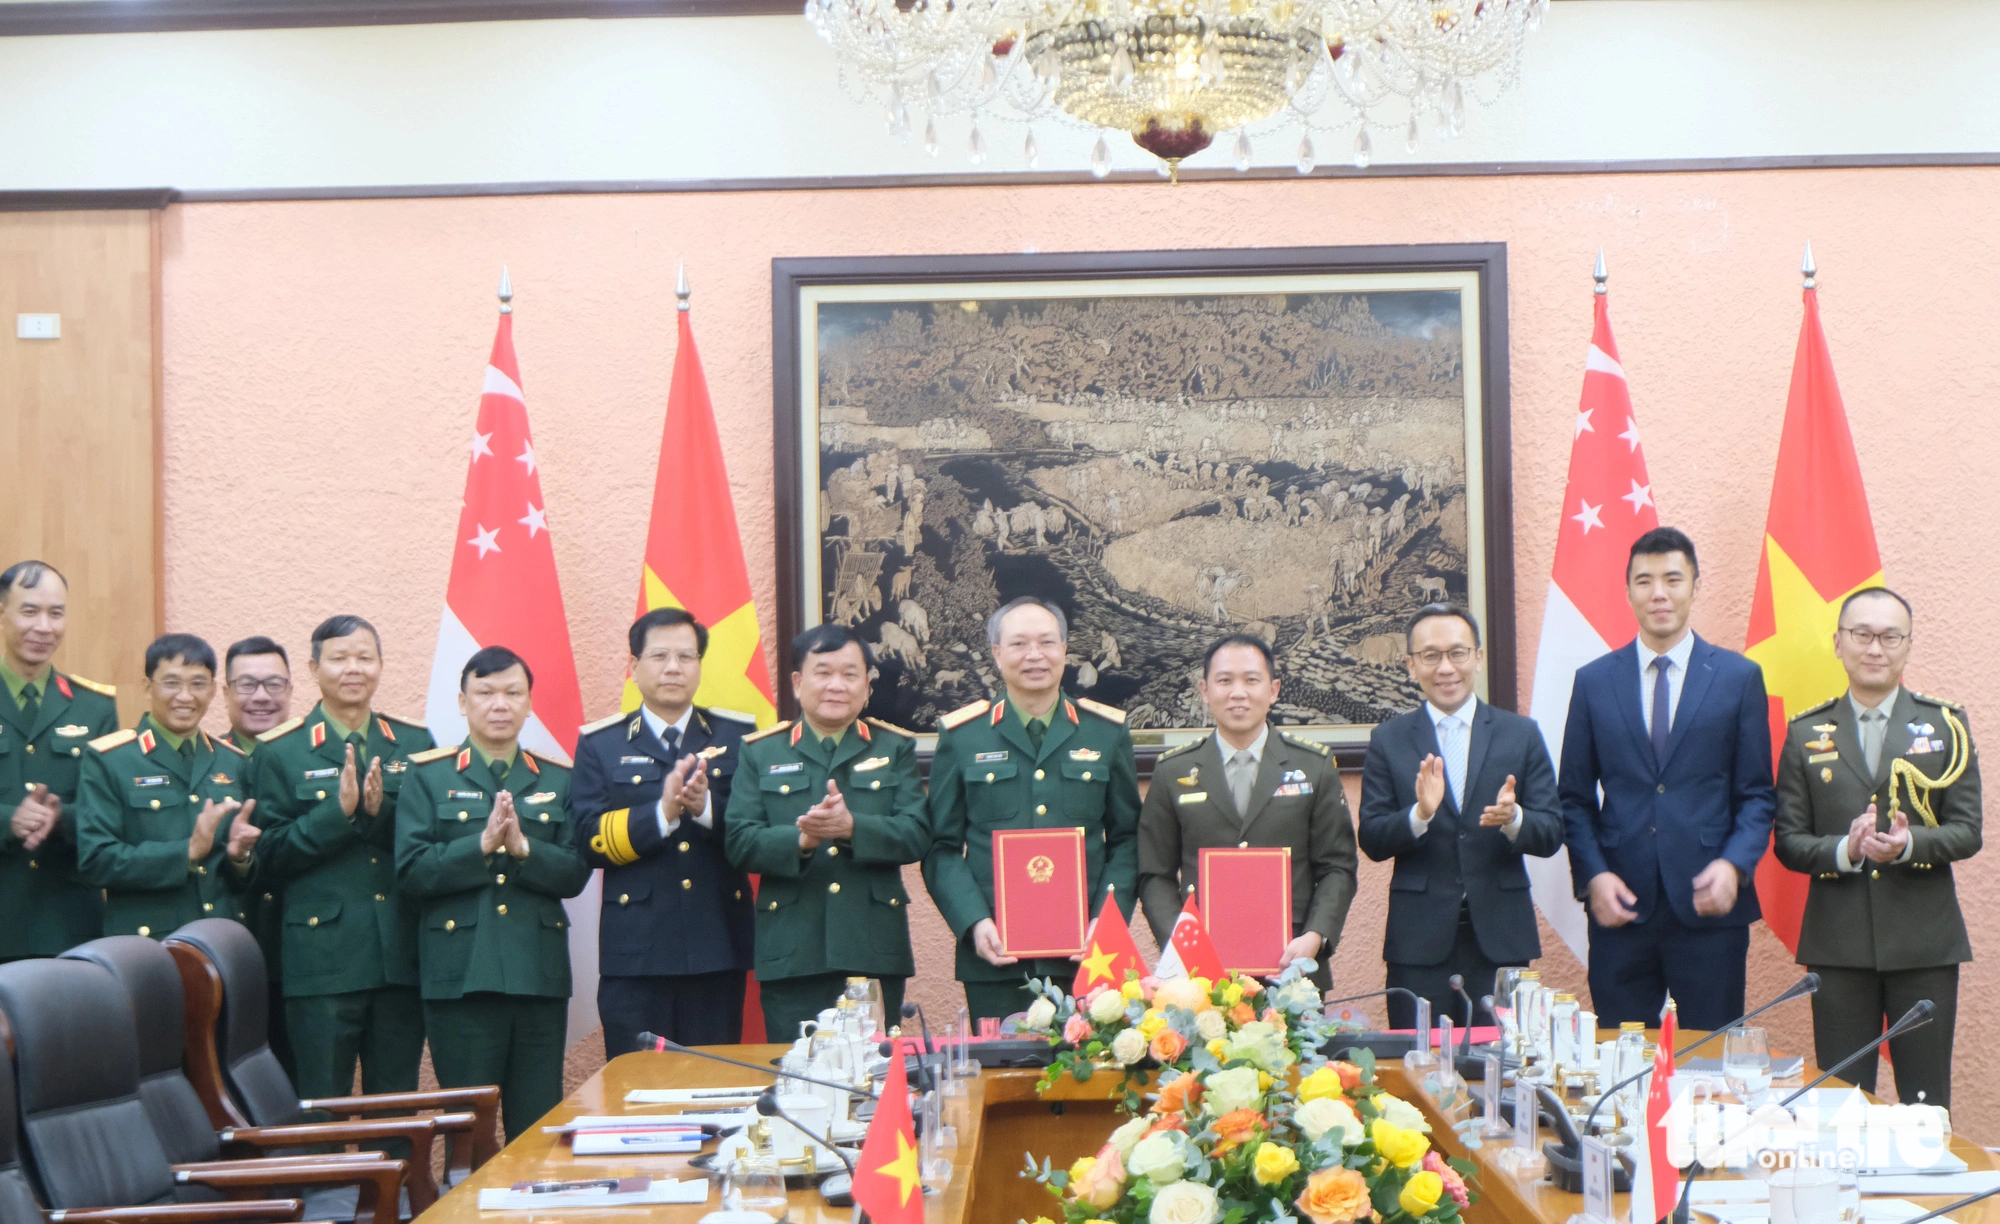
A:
(658, 726)
(1677, 670)
(1456, 758)
(1840, 858)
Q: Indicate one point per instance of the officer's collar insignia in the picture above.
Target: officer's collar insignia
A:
(862, 730)
(541, 797)
(1085, 754)
(464, 759)
(712, 751)
(871, 763)
(999, 708)
(157, 780)
(395, 767)
(320, 773)
(62, 686)
(220, 779)
(318, 734)
(785, 767)
(73, 730)
(797, 731)
(632, 728)
(384, 724)
(146, 742)
(528, 759)
(1069, 708)
(988, 758)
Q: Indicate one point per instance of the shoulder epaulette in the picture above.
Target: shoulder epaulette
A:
(732, 715)
(773, 729)
(418, 723)
(541, 759)
(282, 729)
(1177, 749)
(1105, 712)
(892, 727)
(223, 741)
(1809, 711)
(1300, 742)
(1937, 701)
(432, 754)
(609, 720)
(105, 743)
(964, 714)
(106, 690)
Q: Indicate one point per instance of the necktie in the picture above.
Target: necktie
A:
(1242, 771)
(671, 736)
(827, 746)
(1662, 718)
(187, 748)
(31, 705)
(1451, 741)
(500, 770)
(359, 743)
(1037, 731)
(1874, 724)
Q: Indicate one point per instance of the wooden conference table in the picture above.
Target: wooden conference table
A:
(1003, 1119)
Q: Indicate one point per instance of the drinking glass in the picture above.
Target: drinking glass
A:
(754, 1183)
(1504, 983)
(1746, 1062)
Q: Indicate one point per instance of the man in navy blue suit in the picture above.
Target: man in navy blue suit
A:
(1675, 735)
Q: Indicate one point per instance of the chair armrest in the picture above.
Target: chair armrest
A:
(483, 1102)
(378, 1181)
(418, 1131)
(245, 1210)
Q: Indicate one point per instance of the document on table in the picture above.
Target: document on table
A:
(1781, 1068)
(1873, 1211)
(634, 1142)
(691, 1096)
(1959, 1184)
(660, 1193)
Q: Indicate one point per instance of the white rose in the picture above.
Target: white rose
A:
(1127, 1135)
(1210, 1024)
(1322, 1114)
(1107, 1007)
(1128, 1047)
(1157, 1159)
(1041, 1016)
(1183, 1203)
(1231, 1090)
(1402, 1113)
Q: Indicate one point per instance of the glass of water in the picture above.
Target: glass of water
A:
(1746, 1063)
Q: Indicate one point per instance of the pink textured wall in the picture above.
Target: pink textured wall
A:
(323, 361)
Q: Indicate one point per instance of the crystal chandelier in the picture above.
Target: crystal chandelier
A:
(1176, 74)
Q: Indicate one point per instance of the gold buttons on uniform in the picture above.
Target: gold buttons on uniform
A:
(1242, 845)
(624, 898)
(1874, 875)
(267, 896)
(1663, 788)
(545, 818)
(687, 883)
(156, 805)
(1041, 809)
(207, 907)
(895, 901)
(501, 908)
(451, 924)
(380, 897)
(313, 921)
(496, 879)
(145, 930)
(1086, 775)
(739, 894)
(321, 794)
(875, 785)
(463, 816)
(833, 887)
(989, 777)
(635, 778)
(833, 851)
(786, 789)
(33, 864)
(774, 905)
(201, 871)
(31, 750)
(1039, 775)
(685, 847)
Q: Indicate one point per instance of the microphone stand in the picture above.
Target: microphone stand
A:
(1964, 1202)
(661, 1045)
(911, 1010)
(1457, 984)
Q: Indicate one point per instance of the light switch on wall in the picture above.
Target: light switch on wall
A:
(38, 327)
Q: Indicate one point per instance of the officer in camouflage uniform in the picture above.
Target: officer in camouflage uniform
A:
(46, 719)
(161, 825)
(1034, 760)
(827, 811)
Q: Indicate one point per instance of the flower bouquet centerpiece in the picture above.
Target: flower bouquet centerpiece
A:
(1240, 1144)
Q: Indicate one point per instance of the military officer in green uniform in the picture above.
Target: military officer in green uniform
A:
(257, 687)
(827, 811)
(483, 850)
(1035, 759)
(326, 788)
(1878, 795)
(161, 825)
(1249, 784)
(46, 719)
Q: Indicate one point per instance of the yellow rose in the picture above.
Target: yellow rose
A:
(1203, 985)
(1264, 1080)
(1400, 1147)
(1151, 1024)
(1275, 1162)
(1083, 1165)
(1232, 994)
(1216, 1047)
(1421, 1193)
(1132, 990)
(1324, 1082)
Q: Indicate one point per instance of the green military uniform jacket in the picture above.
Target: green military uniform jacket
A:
(45, 907)
(489, 922)
(1297, 801)
(263, 913)
(136, 809)
(1885, 916)
(987, 775)
(842, 907)
(346, 927)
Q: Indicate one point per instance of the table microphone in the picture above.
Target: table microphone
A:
(1457, 984)
(661, 1045)
(767, 1105)
(912, 1010)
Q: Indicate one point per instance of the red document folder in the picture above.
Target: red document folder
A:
(1246, 902)
(1038, 891)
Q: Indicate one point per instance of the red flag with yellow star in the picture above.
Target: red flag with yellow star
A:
(1111, 951)
(888, 1179)
(1819, 547)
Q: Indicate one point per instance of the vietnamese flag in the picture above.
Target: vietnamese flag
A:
(1819, 548)
(1111, 952)
(888, 1178)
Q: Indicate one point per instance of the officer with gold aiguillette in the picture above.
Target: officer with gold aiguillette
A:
(1878, 795)
(483, 850)
(1036, 759)
(46, 718)
(161, 824)
(827, 811)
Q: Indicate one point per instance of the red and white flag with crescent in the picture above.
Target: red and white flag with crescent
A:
(1607, 504)
(1189, 952)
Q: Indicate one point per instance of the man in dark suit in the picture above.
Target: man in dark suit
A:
(647, 801)
(1677, 734)
(1882, 924)
(1457, 793)
(1249, 785)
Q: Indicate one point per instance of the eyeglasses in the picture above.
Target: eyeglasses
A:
(1890, 638)
(247, 686)
(1459, 656)
(659, 658)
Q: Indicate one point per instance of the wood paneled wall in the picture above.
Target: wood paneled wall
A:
(80, 427)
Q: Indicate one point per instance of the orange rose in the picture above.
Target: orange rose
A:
(1251, 987)
(1350, 1075)
(1335, 1196)
(1167, 1045)
(1242, 1013)
(1174, 1122)
(1178, 1095)
(1236, 1128)
(1273, 1017)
